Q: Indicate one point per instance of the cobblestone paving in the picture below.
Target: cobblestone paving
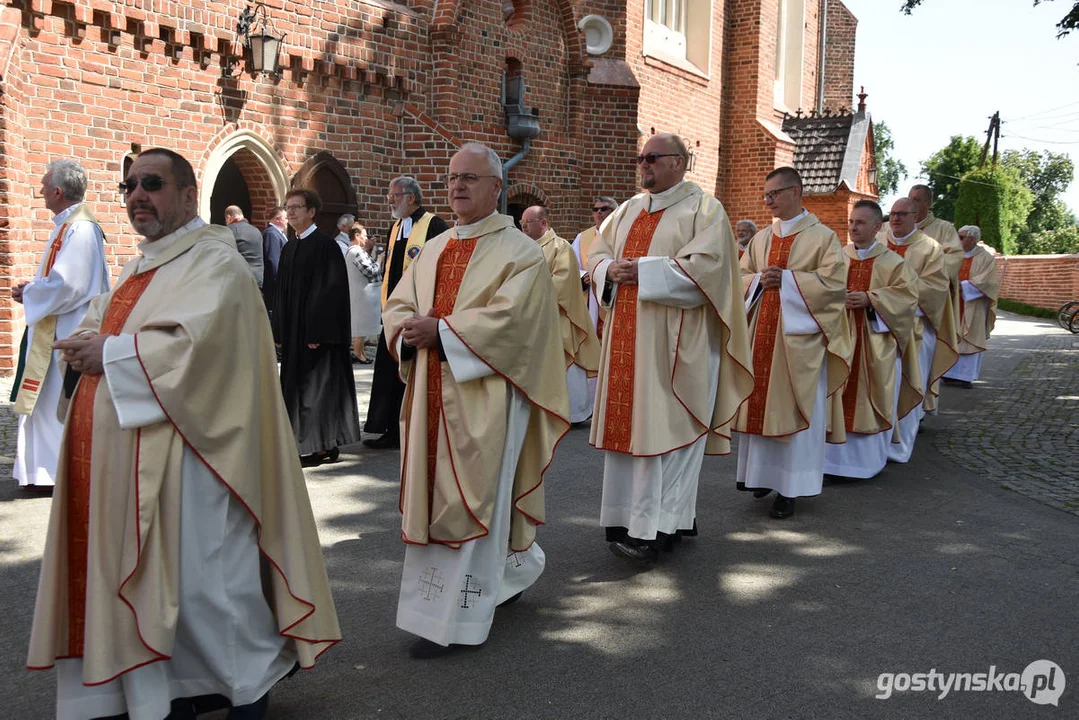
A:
(1022, 429)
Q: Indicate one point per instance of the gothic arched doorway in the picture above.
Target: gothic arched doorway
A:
(230, 189)
(324, 174)
(242, 170)
(519, 202)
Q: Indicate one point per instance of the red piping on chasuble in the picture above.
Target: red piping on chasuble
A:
(858, 278)
(964, 274)
(80, 442)
(764, 337)
(452, 264)
(901, 250)
(618, 427)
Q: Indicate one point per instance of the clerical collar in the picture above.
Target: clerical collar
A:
(970, 253)
(863, 253)
(926, 220)
(308, 231)
(785, 226)
(61, 217)
(903, 240)
(153, 249)
(469, 231)
(662, 195)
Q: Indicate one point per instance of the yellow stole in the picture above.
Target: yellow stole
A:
(416, 239)
(39, 354)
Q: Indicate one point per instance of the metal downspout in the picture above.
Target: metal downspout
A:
(503, 199)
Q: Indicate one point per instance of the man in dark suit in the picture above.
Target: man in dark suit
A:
(248, 240)
(413, 226)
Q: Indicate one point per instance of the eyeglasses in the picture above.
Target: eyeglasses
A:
(771, 195)
(394, 196)
(290, 208)
(651, 158)
(466, 178)
(900, 213)
(602, 208)
(150, 183)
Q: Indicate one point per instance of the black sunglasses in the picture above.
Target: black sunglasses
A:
(150, 183)
(651, 158)
(602, 208)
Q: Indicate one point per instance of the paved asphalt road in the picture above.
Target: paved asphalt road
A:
(930, 566)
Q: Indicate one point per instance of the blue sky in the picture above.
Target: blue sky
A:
(945, 69)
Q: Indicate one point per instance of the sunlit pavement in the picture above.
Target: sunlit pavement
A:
(957, 562)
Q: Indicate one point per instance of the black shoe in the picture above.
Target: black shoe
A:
(761, 492)
(332, 455)
(365, 361)
(424, 649)
(384, 442)
(783, 507)
(312, 460)
(253, 711)
(511, 599)
(966, 384)
(644, 554)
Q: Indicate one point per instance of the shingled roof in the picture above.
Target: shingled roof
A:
(828, 149)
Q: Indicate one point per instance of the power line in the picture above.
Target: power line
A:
(1047, 142)
(1046, 112)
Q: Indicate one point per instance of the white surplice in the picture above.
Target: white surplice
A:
(793, 466)
(967, 367)
(78, 275)
(227, 640)
(650, 495)
(449, 596)
(901, 451)
(582, 389)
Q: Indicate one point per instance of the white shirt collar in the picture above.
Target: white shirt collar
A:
(903, 240)
(785, 226)
(862, 253)
(652, 197)
(971, 252)
(64, 214)
(406, 226)
(152, 249)
(308, 231)
(464, 231)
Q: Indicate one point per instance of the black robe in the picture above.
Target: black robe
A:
(311, 306)
(387, 390)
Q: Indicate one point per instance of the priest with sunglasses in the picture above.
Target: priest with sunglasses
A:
(182, 569)
(674, 364)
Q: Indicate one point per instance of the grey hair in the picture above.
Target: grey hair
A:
(607, 199)
(409, 186)
(345, 221)
(972, 230)
(494, 163)
(746, 223)
(69, 176)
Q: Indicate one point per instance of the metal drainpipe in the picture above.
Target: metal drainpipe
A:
(820, 52)
(503, 199)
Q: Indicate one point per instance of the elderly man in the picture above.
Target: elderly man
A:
(744, 231)
(979, 286)
(182, 567)
(72, 273)
(602, 207)
(413, 226)
(795, 278)
(312, 323)
(579, 342)
(248, 240)
(934, 329)
(675, 356)
(881, 296)
(474, 322)
(344, 225)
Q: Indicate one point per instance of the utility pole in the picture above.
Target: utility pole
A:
(991, 135)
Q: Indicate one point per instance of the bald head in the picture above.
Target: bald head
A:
(663, 162)
(923, 200)
(534, 222)
(902, 218)
(233, 214)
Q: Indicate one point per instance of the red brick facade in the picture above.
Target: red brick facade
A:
(369, 90)
(839, 59)
(1045, 281)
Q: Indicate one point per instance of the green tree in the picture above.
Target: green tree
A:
(998, 201)
(1067, 24)
(946, 167)
(889, 170)
(1064, 240)
(1047, 174)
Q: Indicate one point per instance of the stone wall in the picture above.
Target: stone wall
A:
(1045, 281)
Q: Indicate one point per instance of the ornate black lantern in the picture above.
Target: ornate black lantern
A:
(261, 38)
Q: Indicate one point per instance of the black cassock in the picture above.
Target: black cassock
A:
(387, 390)
(311, 306)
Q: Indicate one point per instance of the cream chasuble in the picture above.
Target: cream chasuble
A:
(675, 356)
(801, 351)
(934, 329)
(579, 342)
(125, 472)
(979, 288)
(72, 272)
(862, 413)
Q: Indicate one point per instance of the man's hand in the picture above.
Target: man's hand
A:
(312, 346)
(421, 331)
(623, 272)
(772, 276)
(84, 352)
(586, 280)
(857, 300)
(16, 292)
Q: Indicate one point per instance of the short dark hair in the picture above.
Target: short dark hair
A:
(788, 174)
(871, 207)
(928, 191)
(182, 172)
(276, 209)
(310, 198)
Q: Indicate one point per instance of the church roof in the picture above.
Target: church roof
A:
(828, 149)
